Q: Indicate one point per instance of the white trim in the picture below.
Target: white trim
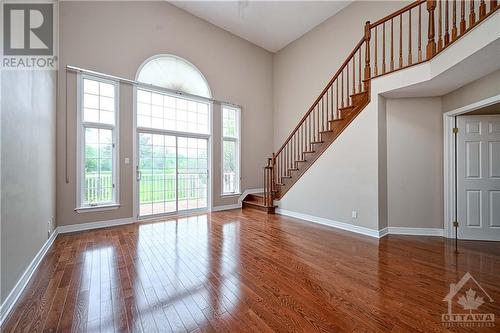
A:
(62, 229)
(16, 292)
(331, 223)
(225, 207)
(80, 142)
(178, 134)
(449, 158)
(474, 106)
(96, 208)
(237, 140)
(166, 55)
(363, 230)
(416, 231)
(247, 192)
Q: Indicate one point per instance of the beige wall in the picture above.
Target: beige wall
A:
(415, 162)
(478, 90)
(115, 38)
(344, 178)
(303, 68)
(27, 170)
(382, 164)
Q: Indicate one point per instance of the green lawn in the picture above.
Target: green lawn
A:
(153, 187)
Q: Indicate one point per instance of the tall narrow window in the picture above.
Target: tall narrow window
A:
(97, 141)
(230, 150)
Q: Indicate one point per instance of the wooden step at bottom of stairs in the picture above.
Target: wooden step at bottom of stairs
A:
(256, 201)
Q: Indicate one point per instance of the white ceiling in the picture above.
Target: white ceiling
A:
(269, 24)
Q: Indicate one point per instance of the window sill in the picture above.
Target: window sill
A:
(96, 208)
(229, 195)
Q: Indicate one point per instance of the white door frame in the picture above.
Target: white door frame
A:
(449, 159)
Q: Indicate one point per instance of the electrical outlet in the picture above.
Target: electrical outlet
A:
(354, 214)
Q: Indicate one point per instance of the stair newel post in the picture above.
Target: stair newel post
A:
(268, 183)
(431, 44)
(273, 175)
(265, 185)
(367, 55)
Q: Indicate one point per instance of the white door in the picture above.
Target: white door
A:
(478, 177)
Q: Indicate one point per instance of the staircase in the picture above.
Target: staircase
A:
(379, 52)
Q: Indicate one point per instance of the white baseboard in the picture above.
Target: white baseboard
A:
(331, 223)
(416, 231)
(13, 296)
(363, 230)
(62, 229)
(226, 207)
(240, 200)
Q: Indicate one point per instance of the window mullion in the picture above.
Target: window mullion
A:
(98, 166)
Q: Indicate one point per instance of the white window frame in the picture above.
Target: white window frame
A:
(207, 136)
(80, 165)
(237, 177)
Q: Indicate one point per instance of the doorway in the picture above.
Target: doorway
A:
(471, 193)
(478, 177)
(172, 173)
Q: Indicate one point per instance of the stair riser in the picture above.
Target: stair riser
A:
(358, 99)
(269, 210)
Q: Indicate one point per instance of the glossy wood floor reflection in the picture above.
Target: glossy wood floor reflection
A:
(245, 270)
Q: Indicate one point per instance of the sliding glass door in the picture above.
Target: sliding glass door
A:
(172, 173)
(172, 141)
(192, 173)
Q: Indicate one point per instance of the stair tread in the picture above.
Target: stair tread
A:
(309, 152)
(255, 203)
(359, 93)
(300, 161)
(327, 131)
(338, 119)
(317, 142)
(293, 169)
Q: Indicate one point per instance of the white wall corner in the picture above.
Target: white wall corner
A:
(11, 300)
(383, 232)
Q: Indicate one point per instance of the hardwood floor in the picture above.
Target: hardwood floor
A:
(248, 271)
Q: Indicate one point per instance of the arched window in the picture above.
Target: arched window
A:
(171, 72)
(173, 132)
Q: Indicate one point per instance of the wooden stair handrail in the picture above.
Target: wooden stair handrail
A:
(319, 118)
(328, 86)
(397, 13)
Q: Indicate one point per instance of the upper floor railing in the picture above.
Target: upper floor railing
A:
(392, 43)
